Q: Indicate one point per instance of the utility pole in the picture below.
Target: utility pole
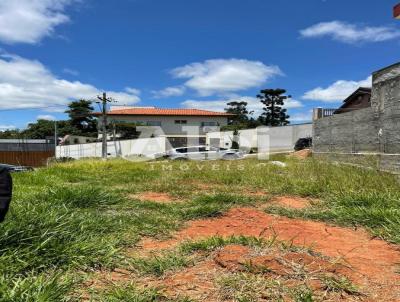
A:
(55, 138)
(103, 101)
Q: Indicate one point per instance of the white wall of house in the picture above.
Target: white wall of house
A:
(169, 125)
(277, 139)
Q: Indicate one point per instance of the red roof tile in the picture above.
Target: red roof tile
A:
(161, 111)
(396, 11)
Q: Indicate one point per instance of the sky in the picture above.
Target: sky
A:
(188, 53)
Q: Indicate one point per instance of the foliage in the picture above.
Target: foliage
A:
(239, 109)
(274, 114)
(81, 116)
(81, 123)
(126, 130)
(242, 119)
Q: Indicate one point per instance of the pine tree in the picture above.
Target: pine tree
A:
(274, 114)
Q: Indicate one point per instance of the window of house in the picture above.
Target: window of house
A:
(181, 122)
(209, 124)
(153, 123)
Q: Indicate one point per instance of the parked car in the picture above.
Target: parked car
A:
(5, 192)
(303, 143)
(204, 153)
(12, 168)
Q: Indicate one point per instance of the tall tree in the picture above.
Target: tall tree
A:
(239, 109)
(81, 116)
(274, 114)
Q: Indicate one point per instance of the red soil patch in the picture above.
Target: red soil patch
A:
(198, 282)
(373, 263)
(298, 203)
(154, 196)
(302, 154)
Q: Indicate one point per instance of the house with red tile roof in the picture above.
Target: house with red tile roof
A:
(178, 125)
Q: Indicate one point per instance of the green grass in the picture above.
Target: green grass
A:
(77, 216)
(131, 293)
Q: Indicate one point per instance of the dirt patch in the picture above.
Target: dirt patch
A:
(302, 154)
(244, 273)
(292, 202)
(154, 196)
(372, 263)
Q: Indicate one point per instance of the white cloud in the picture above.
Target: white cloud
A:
(253, 104)
(7, 127)
(169, 92)
(29, 84)
(29, 21)
(336, 92)
(350, 33)
(71, 71)
(134, 91)
(46, 117)
(221, 76)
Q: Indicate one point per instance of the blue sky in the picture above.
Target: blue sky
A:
(187, 53)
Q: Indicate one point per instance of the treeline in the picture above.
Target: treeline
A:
(273, 113)
(80, 122)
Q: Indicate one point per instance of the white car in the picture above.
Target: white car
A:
(204, 153)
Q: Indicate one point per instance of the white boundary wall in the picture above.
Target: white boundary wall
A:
(136, 147)
(277, 139)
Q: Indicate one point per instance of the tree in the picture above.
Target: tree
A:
(81, 116)
(44, 128)
(10, 134)
(239, 109)
(274, 114)
(235, 140)
(126, 130)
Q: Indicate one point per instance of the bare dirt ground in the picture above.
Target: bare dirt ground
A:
(154, 196)
(372, 263)
(325, 251)
(298, 203)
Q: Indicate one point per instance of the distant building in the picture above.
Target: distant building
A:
(174, 123)
(359, 99)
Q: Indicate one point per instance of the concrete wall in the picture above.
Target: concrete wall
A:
(351, 132)
(276, 139)
(374, 130)
(168, 122)
(386, 103)
(138, 147)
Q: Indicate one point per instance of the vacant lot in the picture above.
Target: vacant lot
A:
(202, 231)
